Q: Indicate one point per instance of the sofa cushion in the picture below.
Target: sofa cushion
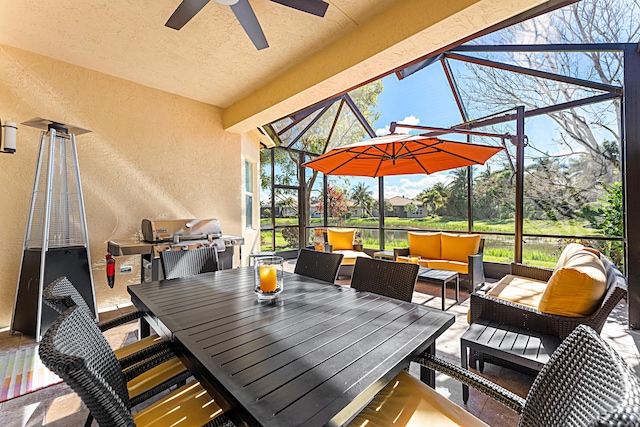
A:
(426, 245)
(341, 238)
(458, 247)
(406, 401)
(576, 289)
(349, 256)
(570, 250)
(518, 289)
(443, 264)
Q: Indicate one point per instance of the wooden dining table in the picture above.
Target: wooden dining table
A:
(313, 357)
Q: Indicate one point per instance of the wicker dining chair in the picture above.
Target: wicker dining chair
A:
(189, 263)
(75, 349)
(318, 265)
(388, 278)
(585, 383)
(151, 355)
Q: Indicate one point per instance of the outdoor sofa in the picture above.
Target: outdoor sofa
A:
(447, 251)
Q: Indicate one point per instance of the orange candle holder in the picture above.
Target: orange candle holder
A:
(269, 277)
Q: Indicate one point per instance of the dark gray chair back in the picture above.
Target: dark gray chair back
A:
(189, 263)
(61, 295)
(75, 350)
(388, 278)
(318, 265)
(584, 383)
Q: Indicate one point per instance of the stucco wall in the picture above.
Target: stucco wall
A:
(150, 155)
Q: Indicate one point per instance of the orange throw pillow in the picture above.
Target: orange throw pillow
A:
(341, 239)
(426, 245)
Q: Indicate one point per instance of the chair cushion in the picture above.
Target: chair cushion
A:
(426, 245)
(341, 239)
(576, 289)
(349, 256)
(521, 290)
(458, 247)
(406, 259)
(155, 376)
(406, 401)
(188, 405)
(443, 264)
(129, 349)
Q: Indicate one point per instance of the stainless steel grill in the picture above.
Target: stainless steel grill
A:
(178, 234)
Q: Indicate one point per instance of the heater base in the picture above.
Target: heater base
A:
(71, 262)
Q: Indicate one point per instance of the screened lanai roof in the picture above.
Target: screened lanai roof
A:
(571, 92)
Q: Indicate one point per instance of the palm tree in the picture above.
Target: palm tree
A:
(433, 199)
(361, 196)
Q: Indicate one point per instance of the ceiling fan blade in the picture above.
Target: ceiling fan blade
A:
(249, 22)
(183, 14)
(314, 7)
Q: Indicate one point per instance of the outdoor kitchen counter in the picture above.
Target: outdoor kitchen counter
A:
(315, 357)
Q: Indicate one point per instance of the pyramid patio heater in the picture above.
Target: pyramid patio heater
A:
(56, 241)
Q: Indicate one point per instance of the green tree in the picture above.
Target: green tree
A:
(610, 221)
(410, 208)
(456, 201)
(361, 196)
(561, 183)
(432, 199)
(336, 127)
(494, 194)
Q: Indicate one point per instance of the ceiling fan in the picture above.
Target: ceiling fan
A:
(243, 11)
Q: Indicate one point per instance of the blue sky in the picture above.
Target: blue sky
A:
(425, 98)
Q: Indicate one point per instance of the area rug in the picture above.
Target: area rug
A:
(22, 372)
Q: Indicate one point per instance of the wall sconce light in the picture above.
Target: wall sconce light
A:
(8, 141)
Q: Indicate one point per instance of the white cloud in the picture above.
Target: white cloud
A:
(409, 120)
(410, 187)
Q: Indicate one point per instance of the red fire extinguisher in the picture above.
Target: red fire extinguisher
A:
(111, 270)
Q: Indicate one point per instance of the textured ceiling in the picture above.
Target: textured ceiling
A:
(212, 60)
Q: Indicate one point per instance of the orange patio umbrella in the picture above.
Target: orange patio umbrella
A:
(400, 154)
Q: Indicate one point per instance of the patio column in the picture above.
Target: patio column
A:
(630, 159)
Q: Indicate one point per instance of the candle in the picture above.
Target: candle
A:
(268, 278)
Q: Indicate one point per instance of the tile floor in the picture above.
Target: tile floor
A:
(59, 406)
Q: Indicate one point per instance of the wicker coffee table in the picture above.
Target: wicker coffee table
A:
(440, 277)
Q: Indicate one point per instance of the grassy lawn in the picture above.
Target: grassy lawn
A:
(568, 228)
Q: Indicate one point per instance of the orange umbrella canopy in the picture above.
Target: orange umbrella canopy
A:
(400, 154)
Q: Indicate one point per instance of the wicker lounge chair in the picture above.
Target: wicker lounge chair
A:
(318, 265)
(585, 383)
(510, 313)
(74, 348)
(189, 263)
(388, 278)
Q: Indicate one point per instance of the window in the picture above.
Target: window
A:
(248, 188)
